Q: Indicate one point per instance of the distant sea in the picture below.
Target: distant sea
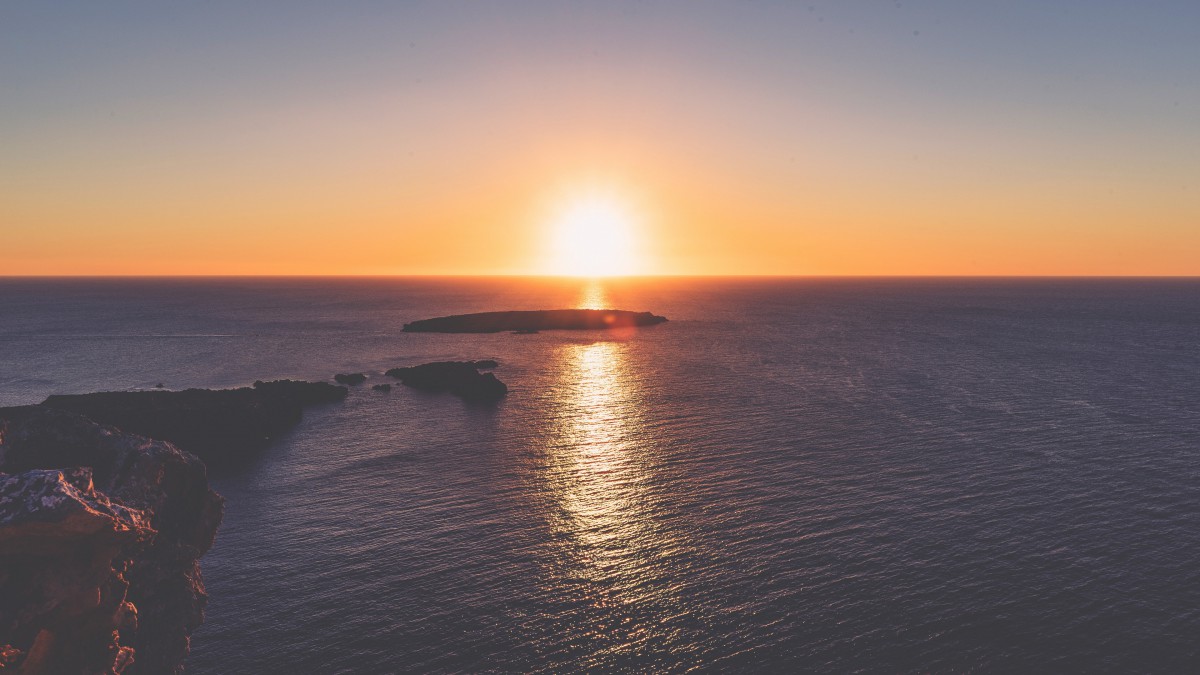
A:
(827, 475)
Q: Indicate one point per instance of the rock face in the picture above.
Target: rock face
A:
(533, 321)
(350, 378)
(219, 426)
(461, 378)
(101, 533)
(62, 548)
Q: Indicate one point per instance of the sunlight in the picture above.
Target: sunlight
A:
(593, 237)
(592, 296)
(600, 471)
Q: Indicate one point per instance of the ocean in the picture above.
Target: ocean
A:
(800, 475)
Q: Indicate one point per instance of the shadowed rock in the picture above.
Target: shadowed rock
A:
(533, 321)
(63, 549)
(219, 425)
(461, 378)
(350, 378)
(100, 537)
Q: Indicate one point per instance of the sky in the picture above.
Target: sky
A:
(783, 138)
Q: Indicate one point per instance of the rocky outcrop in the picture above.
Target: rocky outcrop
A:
(221, 426)
(350, 378)
(533, 321)
(461, 378)
(63, 549)
(101, 533)
(385, 387)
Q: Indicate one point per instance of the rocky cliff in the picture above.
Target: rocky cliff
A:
(101, 533)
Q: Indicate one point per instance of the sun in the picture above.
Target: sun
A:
(593, 236)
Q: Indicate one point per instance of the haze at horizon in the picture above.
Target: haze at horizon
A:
(442, 138)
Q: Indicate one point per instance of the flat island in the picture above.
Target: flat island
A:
(535, 320)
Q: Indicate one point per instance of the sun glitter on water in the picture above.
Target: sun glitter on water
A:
(593, 235)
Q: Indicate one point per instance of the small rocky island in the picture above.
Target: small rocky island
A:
(535, 320)
(461, 378)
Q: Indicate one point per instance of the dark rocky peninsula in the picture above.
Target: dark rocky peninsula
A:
(461, 378)
(102, 528)
(101, 533)
(218, 425)
(536, 320)
(350, 378)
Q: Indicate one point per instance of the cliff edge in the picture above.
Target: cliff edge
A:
(101, 533)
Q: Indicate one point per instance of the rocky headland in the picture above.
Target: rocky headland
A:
(221, 426)
(534, 321)
(106, 510)
(101, 533)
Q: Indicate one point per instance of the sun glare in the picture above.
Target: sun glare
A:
(593, 237)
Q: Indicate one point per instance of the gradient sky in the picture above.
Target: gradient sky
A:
(1014, 137)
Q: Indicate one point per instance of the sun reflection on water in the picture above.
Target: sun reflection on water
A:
(592, 296)
(601, 481)
(601, 474)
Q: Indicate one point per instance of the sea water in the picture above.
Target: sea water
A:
(831, 475)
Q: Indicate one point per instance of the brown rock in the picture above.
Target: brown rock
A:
(100, 537)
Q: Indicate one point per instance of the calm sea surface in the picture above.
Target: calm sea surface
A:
(801, 475)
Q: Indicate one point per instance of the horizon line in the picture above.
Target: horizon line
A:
(599, 278)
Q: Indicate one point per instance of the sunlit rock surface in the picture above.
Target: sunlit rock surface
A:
(101, 533)
(461, 378)
(63, 554)
(536, 320)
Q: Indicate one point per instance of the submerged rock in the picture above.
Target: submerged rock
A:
(534, 321)
(101, 533)
(461, 378)
(381, 387)
(350, 378)
(219, 425)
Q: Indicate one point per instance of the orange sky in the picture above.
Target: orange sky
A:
(739, 141)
